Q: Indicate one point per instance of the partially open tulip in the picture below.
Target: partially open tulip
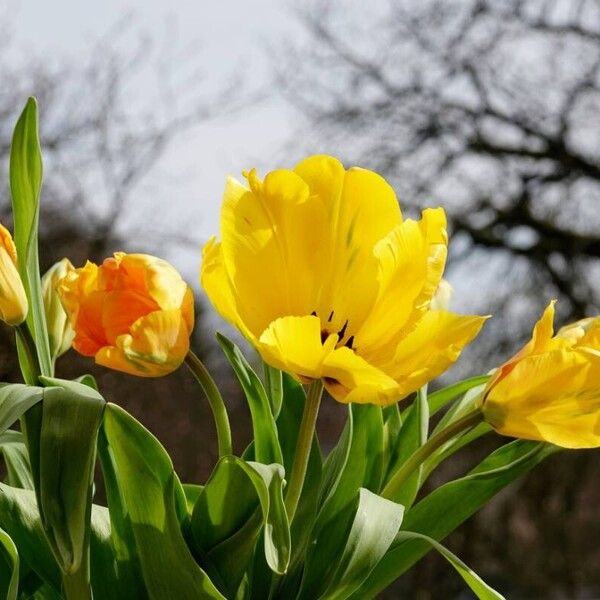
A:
(13, 299)
(319, 271)
(60, 330)
(550, 390)
(134, 313)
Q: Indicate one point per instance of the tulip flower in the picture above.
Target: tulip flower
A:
(60, 330)
(134, 313)
(13, 299)
(318, 269)
(550, 390)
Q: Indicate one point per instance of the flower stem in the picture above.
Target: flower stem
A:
(303, 447)
(427, 449)
(215, 400)
(33, 371)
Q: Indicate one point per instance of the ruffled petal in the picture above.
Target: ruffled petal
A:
(431, 347)
(156, 345)
(147, 275)
(271, 240)
(553, 397)
(410, 262)
(121, 309)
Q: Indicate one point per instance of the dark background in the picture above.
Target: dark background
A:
(489, 109)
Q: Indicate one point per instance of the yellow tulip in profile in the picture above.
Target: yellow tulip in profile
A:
(134, 313)
(13, 299)
(550, 390)
(60, 330)
(318, 269)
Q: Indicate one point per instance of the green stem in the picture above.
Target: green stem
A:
(427, 449)
(215, 400)
(76, 586)
(303, 447)
(28, 347)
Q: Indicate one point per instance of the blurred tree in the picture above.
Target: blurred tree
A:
(490, 109)
(104, 129)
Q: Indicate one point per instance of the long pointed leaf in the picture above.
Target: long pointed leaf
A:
(266, 444)
(25, 186)
(442, 511)
(479, 587)
(9, 571)
(152, 499)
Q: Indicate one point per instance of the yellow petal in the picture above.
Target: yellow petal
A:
(156, 345)
(216, 284)
(411, 262)
(270, 247)
(553, 396)
(541, 341)
(293, 344)
(366, 211)
(350, 378)
(13, 300)
(431, 347)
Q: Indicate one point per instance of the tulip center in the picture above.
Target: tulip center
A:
(327, 330)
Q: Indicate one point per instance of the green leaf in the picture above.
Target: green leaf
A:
(266, 443)
(25, 186)
(274, 386)
(15, 400)
(359, 462)
(442, 511)
(9, 567)
(225, 532)
(19, 517)
(16, 458)
(71, 416)
(356, 462)
(437, 400)
(479, 587)
(412, 435)
(151, 500)
(356, 539)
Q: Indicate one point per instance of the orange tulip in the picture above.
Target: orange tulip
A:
(134, 313)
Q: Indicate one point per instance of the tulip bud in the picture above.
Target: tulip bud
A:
(133, 313)
(550, 389)
(60, 330)
(13, 300)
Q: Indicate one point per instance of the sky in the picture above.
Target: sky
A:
(232, 36)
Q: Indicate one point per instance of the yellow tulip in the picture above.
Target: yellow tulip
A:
(60, 330)
(550, 390)
(134, 313)
(13, 300)
(317, 268)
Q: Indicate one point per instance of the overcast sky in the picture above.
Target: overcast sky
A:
(232, 36)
